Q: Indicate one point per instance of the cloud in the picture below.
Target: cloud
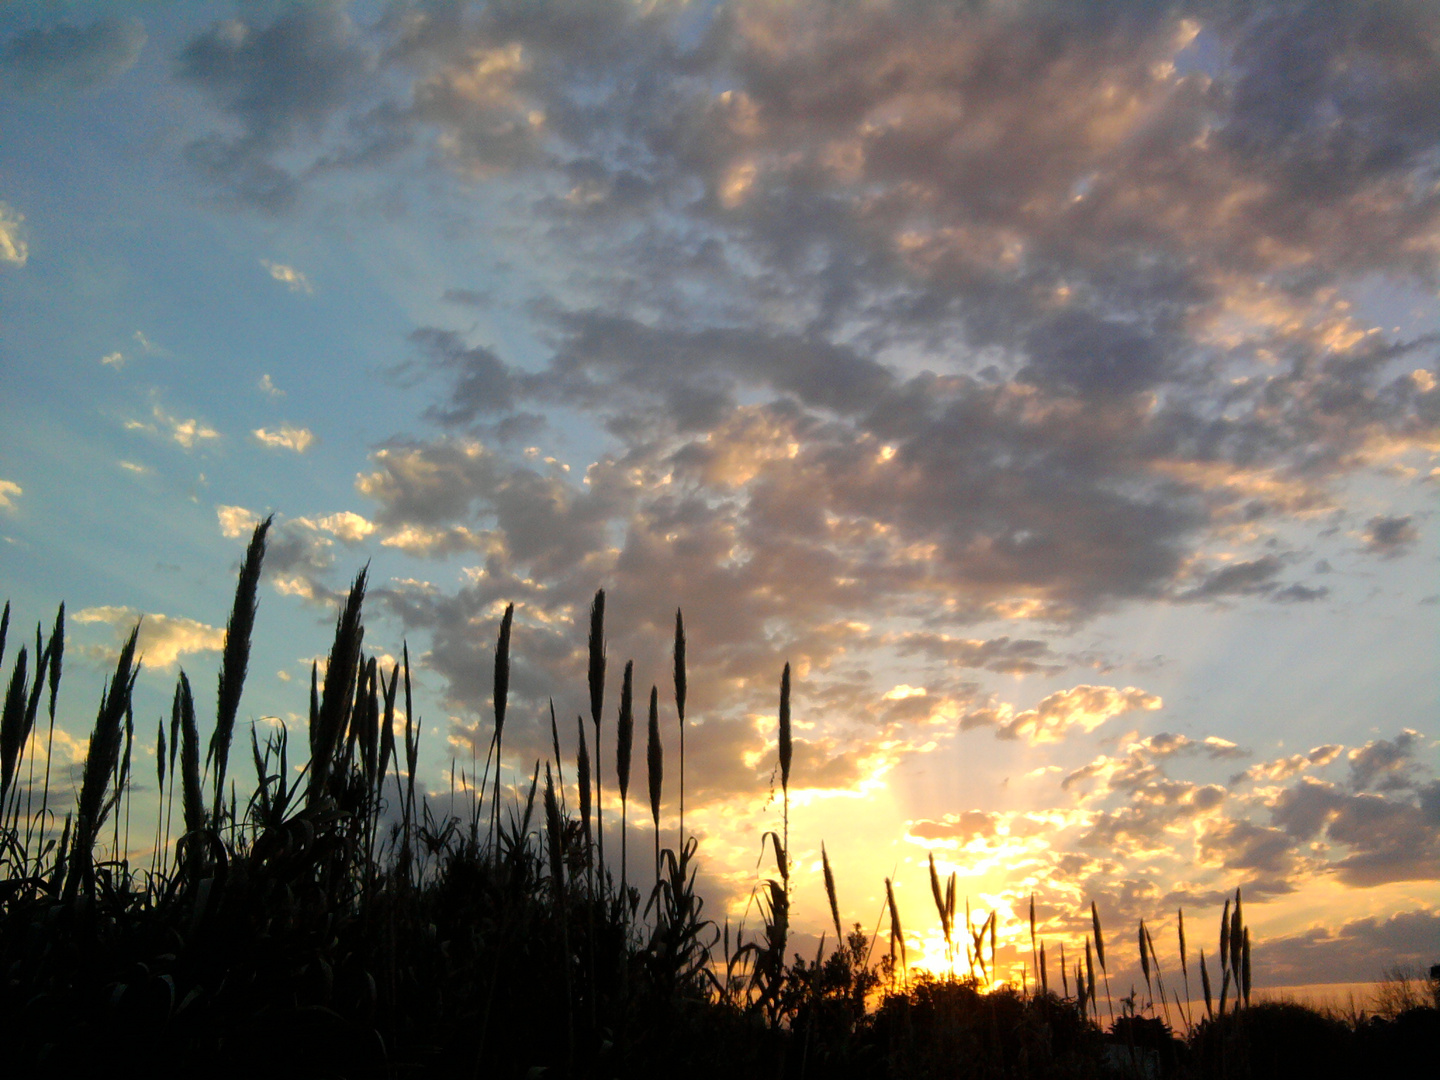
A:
(184, 433)
(71, 58)
(288, 276)
(1387, 839)
(1390, 537)
(279, 84)
(9, 492)
(1359, 950)
(236, 520)
(1237, 579)
(14, 245)
(1386, 764)
(114, 360)
(345, 524)
(1285, 768)
(1003, 654)
(267, 386)
(286, 438)
(163, 639)
(1084, 707)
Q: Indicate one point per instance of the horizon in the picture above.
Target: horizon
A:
(1052, 387)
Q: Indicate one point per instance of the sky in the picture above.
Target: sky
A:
(1051, 385)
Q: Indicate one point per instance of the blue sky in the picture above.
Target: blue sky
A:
(1054, 386)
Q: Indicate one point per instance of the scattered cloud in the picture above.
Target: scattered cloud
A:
(64, 57)
(1360, 950)
(236, 521)
(14, 244)
(1082, 707)
(286, 438)
(1385, 839)
(9, 492)
(346, 524)
(1282, 769)
(268, 387)
(1390, 537)
(184, 433)
(288, 276)
(114, 360)
(1386, 764)
(163, 639)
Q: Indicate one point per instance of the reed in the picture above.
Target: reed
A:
(655, 772)
(101, 759)
(785, 750)
(680, 688)
(897, 934)
(500, 695)
(595, 677)
(830, 895)
(624, 739)
(235, 659)
(331, 712)
(286, 910)
(1100, 955)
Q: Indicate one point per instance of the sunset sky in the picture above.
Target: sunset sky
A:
(1052, 385)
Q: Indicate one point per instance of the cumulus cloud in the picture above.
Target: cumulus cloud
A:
(345, 524)
(1386, 764)
(1360, 950)
(1385, 839)
(236, 520)
(186, 433)
(69, 58)
(14, 244)
(285, 438)
(1084, 707)
(1284, 768)
(163, 639)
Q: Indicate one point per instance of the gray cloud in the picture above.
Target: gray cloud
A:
(1388, 840)
(1361, 950)
(1390, 536)
(71, 58)
(1386, 764)
(278, 83)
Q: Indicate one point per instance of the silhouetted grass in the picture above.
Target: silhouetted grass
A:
(334, 922)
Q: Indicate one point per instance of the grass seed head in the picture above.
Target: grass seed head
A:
(625, 730)
(785, 745)
(655, 758)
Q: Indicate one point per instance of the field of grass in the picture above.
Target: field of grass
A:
(335, 922)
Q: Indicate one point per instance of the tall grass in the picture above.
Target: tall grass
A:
(338, 921)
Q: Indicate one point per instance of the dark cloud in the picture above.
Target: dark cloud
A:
(1390, 536)
(1361, 950)
(279, 83)
(483, 385)
(70, 58)
(1386, 764)
(1009, 656)
(1238, 579)
(1300, 594)
(1387, 839)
